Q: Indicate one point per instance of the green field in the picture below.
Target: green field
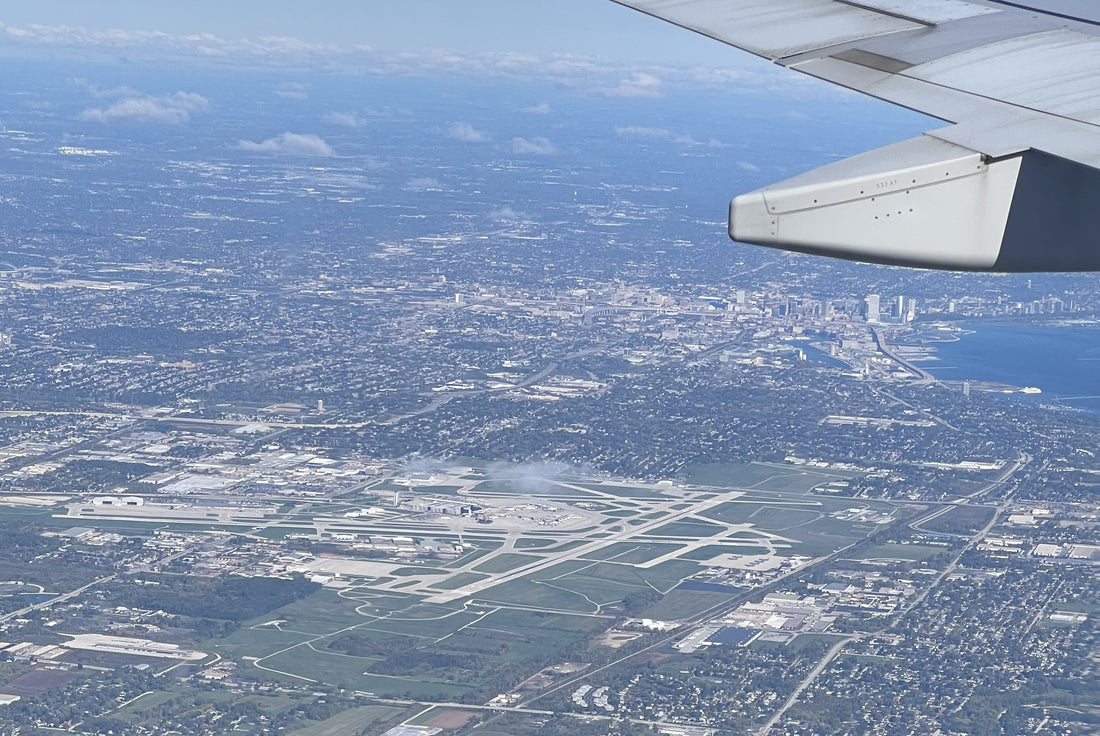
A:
(769, 516)
(681, 604)
(777, 519)
(714, 550)
(533, 543)
(664, 576)
(733, 512)
(582, 586)
(727, 475)
(356, 720)
(282, 532)
(779, 478)
(536, 595)
(961, 520)
(805, 641)
(506, 562)
(631, 552)
(623, 491)
(350, 673)
(320, 613)
(513, 635)
(148, 710)
(458, 581)
(690, 528)
(436, 628)
(546, 489)
(404, 572)
(476, 554)
(911, 552)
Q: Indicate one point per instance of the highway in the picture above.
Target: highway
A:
(60, 598)
(829, 657)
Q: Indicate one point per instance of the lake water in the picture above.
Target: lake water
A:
(1062, 360)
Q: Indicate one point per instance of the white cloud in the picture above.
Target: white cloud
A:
(174, 109)
(291, 55)
(290, 144)
(641, 131)
(346, 119)
(748, 166)
(664, 134)
(640, 85)
(465, 133)
(538, 146)
(424, 184)
(506, 214)
(100, 92)
(293, 91)
(543, 108)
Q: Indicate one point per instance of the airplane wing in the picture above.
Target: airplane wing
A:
(1012, 184)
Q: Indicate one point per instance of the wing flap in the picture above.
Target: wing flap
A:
(928, 12)
(777, 29)
(958, 60)
(1053, 72)
(1021, 82)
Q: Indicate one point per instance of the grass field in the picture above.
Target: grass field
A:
(688, 528)
(350, 672)
(961, 520)
(352, 721)
(714, 550)
(320, 613)
(506, 562)
(631, 552)
(533, 543)
(777, 519)
(378, 604)
(411, 571)
(579, 586)
(727, 475)
(664, 576)
(546, 489)
(566, 546)
(623, 491)
(255, 642)
(146, 710)
(135, 712)
(427, 628)
(800, 642)
(482, 550)
(815, 544)
(912, 552)
(42, 516)
(536, 595)
(733, 512)
(460, 580)
(282, 532)
(770, 517)
(680, 604)
(514, 635)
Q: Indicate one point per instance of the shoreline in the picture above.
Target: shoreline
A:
(1047, 358)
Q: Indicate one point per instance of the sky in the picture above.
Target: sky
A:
(595, 28)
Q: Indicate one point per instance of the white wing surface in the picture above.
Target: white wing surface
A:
(1011, 183)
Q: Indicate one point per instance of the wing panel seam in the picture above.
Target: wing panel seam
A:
(882, 11)
(1050, 13)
